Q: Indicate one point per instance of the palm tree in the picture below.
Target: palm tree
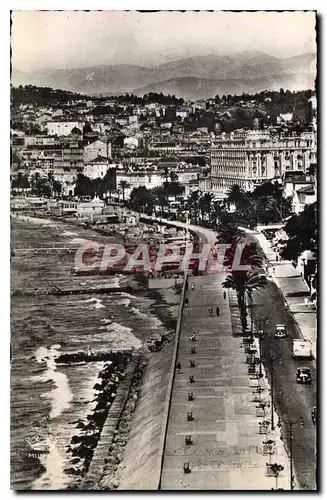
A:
(160, 194)
(227, 228)
(216, 211)
(235, 195)
(205, 205)
(193, 205)
(244, 284)
(124, 185)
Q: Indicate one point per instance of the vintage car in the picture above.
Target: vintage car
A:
(303, 376)
(280, 331)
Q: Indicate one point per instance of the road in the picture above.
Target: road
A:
(292, 400)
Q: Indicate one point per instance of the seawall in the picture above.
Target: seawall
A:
(141, 466)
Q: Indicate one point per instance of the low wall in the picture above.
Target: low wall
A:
(141, 466)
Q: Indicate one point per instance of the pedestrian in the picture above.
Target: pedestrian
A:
(178, 367)
(217, 311)
(273, 269)
(186, 302)
(193, 285)
(225, 295)
(210, 311)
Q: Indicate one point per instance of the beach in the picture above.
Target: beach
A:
(46, 398)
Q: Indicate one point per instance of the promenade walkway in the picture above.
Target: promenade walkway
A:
(225, 450)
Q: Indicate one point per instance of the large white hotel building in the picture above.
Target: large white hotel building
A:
(251, 157)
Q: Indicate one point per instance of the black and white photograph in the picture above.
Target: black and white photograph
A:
(164, 250)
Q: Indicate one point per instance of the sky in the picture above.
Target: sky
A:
(71, 39)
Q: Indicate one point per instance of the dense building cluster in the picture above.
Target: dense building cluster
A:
(145, 142)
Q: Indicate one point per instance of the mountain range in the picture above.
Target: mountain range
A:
(192, 78)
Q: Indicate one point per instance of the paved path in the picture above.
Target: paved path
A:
(225, 430)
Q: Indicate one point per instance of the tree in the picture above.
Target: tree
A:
(123, 186)
(108, 184)
(84, 186)
(141, 198)
(302, 230)
(226, 228)
(40, 186)
(205, 205)
(160, 194)
(244, 284)
(235, 195)
(173, 189)
(193, 205)
(165, 174)
(57, 187)
(20, 182)
(312, 169)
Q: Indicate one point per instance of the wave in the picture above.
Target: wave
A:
(124, 302)
(61, 395)
(69, 233)
(121, 337)
(79, 241)
(96, 303)
(54, 462)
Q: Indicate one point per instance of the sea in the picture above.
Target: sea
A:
(47, 399)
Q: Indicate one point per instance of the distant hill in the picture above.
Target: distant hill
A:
(204, 73)
(192, 89)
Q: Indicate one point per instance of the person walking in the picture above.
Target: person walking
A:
(225, 295)
(178, 367)
(193, 285)
(210, 311)
(217, 311)
(186, 302)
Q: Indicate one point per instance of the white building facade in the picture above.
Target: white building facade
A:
(97, 149)
(63, 128)
(250, 157)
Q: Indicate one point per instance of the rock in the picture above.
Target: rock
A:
(75, 461)
(76, 439)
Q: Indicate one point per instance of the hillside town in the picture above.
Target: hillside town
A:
(160, 154)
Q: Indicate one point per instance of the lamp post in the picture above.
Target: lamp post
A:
(291, 423)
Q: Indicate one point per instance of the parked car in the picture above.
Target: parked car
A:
(280, 331)
(303, 376)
